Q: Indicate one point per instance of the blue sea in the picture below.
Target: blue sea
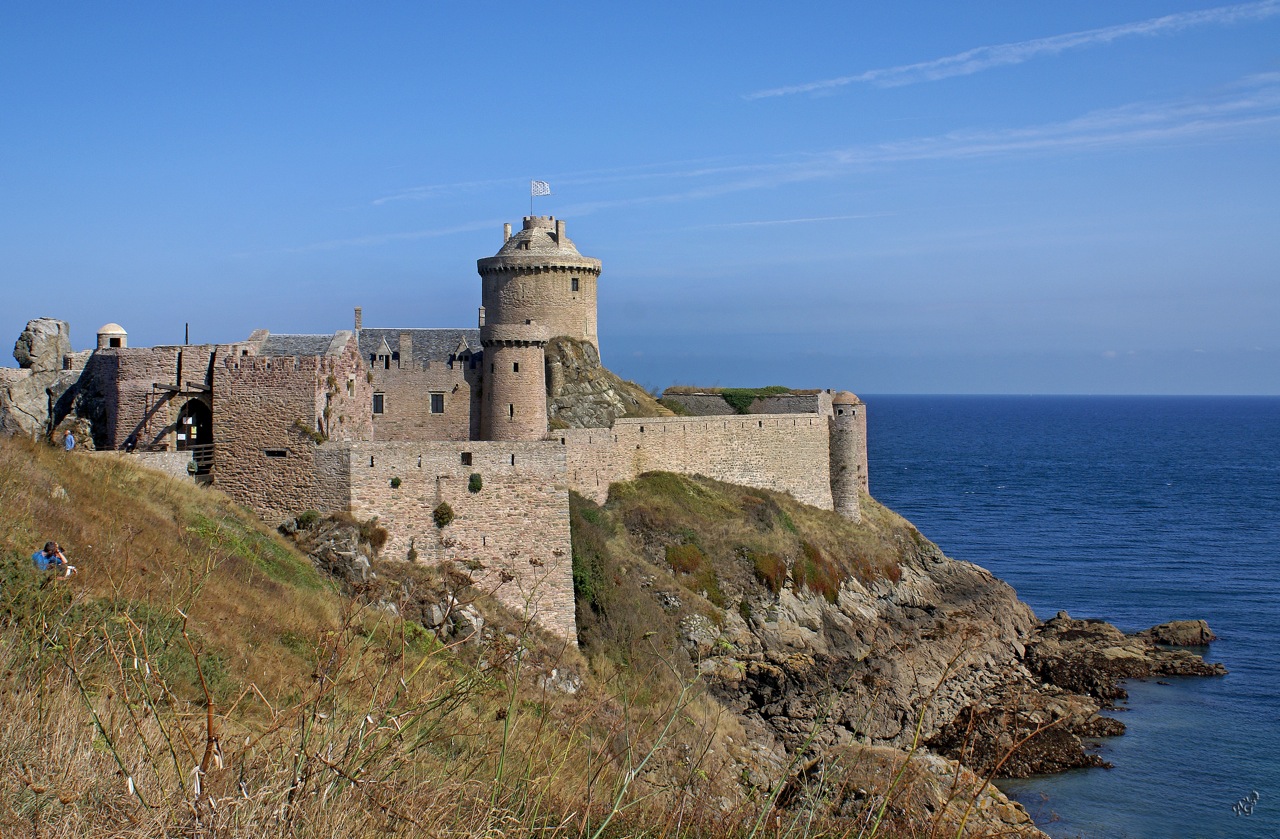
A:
(1137, 510)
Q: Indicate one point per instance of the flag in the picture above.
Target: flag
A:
(539, 188)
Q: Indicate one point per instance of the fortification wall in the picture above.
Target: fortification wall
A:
(512, 535)
(783, 452)
(262, 458)
(711, 404)
(118, 383)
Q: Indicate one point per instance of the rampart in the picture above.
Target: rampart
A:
(782, 452)
(271, 413)
(510, 527)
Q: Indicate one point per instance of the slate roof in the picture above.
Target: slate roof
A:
(428, 344)
(304, 345)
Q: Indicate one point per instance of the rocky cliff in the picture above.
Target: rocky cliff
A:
(581, 393)
(829, 640)
(39, 396)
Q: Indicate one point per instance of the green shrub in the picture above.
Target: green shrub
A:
(740, 398)
(395, 483)
(690, 561)
(442, 515)
(815, 572)
(769, 569)
(475, 483)
(308, 519)
(685, 559)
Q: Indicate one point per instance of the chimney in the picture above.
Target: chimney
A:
(560, 233)
(506, 232)
(406, 350)
(359, 318)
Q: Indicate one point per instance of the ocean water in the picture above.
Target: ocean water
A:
(1137, 510)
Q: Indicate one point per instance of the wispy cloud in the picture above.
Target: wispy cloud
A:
(982, 58)
(776, 222)
(387, 238)
(1247, 107)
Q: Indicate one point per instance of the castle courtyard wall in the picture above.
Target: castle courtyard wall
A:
(512, 535)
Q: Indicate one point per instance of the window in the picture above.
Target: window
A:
(466, 458)
(276, 452)
(114, 342)
(515, 367)
(574, 284)
(511, 410)
(378, 403)
(437, 403)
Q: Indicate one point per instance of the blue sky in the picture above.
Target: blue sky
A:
(996, 197)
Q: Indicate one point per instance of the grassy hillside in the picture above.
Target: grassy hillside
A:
(729, 548)
(195, 645)
(199, 677)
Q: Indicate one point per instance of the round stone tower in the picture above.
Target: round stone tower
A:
(538, 275)
(848, 453)
(515, 382)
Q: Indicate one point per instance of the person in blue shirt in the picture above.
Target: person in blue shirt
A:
(50, 558)
(69, 441)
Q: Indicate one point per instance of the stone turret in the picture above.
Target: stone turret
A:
(538, 275)
(515, 383)
(112, 336)
(848, 454)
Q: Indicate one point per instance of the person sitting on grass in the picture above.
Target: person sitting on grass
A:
(51, 558)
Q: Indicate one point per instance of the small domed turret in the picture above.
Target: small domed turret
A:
(112, 336)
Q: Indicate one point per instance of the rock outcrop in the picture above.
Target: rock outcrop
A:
(1092, 657)
(39, 395)
(1180, 634)
(581, 393)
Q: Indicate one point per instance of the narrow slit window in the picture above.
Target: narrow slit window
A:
(515, 367)
(511, 409)
(574, 284)
(513, 460)
(277, 452)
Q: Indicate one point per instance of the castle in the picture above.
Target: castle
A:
(442, 434)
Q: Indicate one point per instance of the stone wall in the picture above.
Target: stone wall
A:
(173, 464)
(119, 383)
(513, 535)
(406, 402)
(261, 405)
(783, 452)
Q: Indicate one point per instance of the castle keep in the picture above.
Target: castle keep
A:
(401, 423)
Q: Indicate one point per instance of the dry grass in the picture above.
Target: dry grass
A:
(199, 678)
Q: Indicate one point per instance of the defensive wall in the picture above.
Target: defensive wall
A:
(271, 413)
(510, 528)
(710, 403)
(782, 452)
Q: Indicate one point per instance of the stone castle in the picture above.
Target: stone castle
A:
(403, 424)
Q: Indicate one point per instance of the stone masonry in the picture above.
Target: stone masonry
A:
(402, 424)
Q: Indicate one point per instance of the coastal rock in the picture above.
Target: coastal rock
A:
(921, 794)
(41, 394)
(1093, 657)
(42, 345)
(1024, 729)
(1180, 634)
(581, 393)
